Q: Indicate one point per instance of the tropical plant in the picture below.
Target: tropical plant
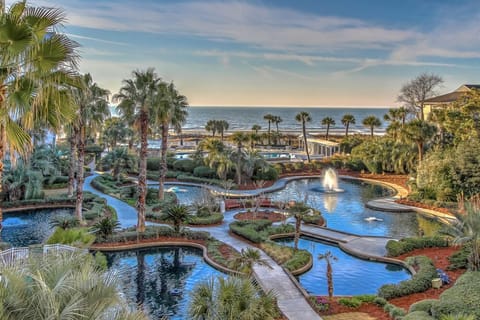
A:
(120, 160)
(36, 63)
(371, 122)
(328, 121)
(62, 286)
(64, 222)
(177, 214)
(415, 92)
(277, 120)
(21, 183)
(419, 132)
(298, 211)
(269, 117)
(170, 108)
(246, 260)
(239, 138)
(231, 298)
(105, 227)
(136, 98)
(222, 126)
(92, 104)
(304, 117)
(329, 257)
(115, 131)
(255, 128)
(211, 126)
(347, 120)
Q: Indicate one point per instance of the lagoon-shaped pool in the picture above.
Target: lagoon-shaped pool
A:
(161, 279)
(346, 210)
(25, 228)
(351, 275)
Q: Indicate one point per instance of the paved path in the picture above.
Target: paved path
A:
(290, 298)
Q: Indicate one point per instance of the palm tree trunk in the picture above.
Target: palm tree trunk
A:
(2, 155)
(239, 165)
(371, 132)
(328, 129)
(420, 151)
(346, 129)
(142, 173)
(80, 178)
(305, 141)
(71, 171)
(298, 222)
(163, 161)
(268, 132)
(329, 280)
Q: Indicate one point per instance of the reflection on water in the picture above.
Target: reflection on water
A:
(351, 276)
(347, 212)
(29, 227)
(160, 279)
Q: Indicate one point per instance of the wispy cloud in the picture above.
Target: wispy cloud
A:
(77, 36)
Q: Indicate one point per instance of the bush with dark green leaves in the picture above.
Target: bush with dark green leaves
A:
(153, 163)
(418, 315)
(423, 305)
(212, 218)
(396, 248)
(459, 260)
(268, 173)
(463, 297)
(205, 172)
(105, 227)
(419, 282)
(79, 237)
(352, 302)
(185, 165)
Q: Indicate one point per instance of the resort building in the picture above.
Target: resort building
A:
(445, 100)
(319, 147)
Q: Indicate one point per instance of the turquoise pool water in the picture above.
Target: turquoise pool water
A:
(185, 194)
(346, 211)
(160, 279)
(351, 276)
(24, 228)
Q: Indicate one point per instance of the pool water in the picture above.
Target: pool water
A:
(150, 276)
(346, 210)
(25, 228)
(185, 194)
(351, 275)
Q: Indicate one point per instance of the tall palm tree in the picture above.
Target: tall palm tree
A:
(347, 119)
(255, 128)
(170, 108)
(36, 64)
(298, 211)
(115, 131)
(246, 260)
(177, 214)
(240, 139)
(328, 121)
(92, 103)
(136, 98)
(269, 117)
(222, 126)
(64, 286)
(419, 132)
(211, 126)
(304, 117)
(277, 120)
(231, 298)
(329, 257)
(371, 122)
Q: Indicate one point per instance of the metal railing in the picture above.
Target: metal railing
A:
(21, 254)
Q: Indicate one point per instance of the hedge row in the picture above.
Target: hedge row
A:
(396, 248)
(259, 230)
(420, 282)
(286, 256)
(151, 232)
(205, 220)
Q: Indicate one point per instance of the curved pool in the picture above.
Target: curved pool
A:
(346, 210)
(351, 275)
(160, 279)
(25, 228)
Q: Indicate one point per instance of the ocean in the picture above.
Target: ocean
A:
(242, 118)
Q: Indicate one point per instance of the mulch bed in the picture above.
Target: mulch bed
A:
(261, 215)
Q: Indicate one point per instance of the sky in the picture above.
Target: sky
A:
(278, 52)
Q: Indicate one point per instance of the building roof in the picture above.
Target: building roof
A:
(452, 96)
(323, 142)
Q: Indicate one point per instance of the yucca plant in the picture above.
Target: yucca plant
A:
(105, 227)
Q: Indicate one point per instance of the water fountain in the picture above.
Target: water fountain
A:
(329, 183)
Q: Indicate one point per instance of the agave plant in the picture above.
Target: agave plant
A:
(105, 227)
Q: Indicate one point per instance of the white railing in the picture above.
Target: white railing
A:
(19, 254)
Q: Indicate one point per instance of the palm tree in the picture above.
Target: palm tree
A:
(115, 131)
(253, 160)
(64, 286)
(298, 211)
(371, 122)
(347, 119)
(277, 120)
(212, 147)
(120, 160)
(328, 121)
(136, 98)
(255, 128)
(170, 108)
(328, 257)
(231, 298)
(419, 132)
(177, 214)
(246, 260)
(269, 117)
(239, 138)
(211, 126)
(34, 71)
(222, 126)
(92, 104)
(304, 117)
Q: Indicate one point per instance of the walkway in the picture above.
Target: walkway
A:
(290, 298)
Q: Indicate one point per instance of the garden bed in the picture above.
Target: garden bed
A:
(260, 215)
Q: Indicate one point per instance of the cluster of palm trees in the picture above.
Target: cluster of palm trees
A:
(214, 126)
(272, 119)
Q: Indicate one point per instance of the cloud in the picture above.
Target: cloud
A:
(77, 36)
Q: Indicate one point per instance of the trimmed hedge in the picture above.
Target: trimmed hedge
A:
(185, 165)
(286, 256)
(396, 248)
(420, 282)
(259, 230)
(423, 305)
(204, 172)
(205, 220)
(463, 297)
(418, 315)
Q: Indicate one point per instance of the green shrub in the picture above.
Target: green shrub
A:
(286, 256)
(350, 302)
(396, 248)
(321, 304)
(151, 232)
(379, 301)
(77, 237)
(105, 227)
(367, 298)
(459, 260)
(423, 305)
(396, 313)
(463, 297)
(205, 220)
(420, 282)
(268, 173)
(299, 259)
(100, 261)
(153, 164)
(204, 172)
(418, 315)
(185, 165)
